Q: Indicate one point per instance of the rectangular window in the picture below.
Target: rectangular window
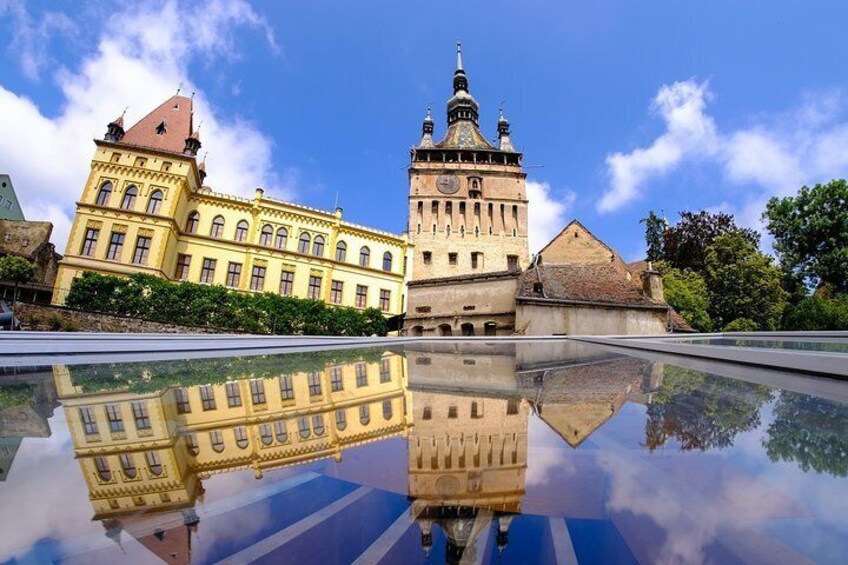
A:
(474, 259)
(385, 300)
(286, 388)
(183, 405)
(512, 262)
(361, 296)
(88, 423)
(361, 375)
(89, 244)
(257, 391)
(314, 380)
(233, 275)
(315, 288)
(142, 418)
(116, 245)
(428, 257)
(452, 258)
(257, 279)
(207, 397)
(233, 395)
(336, 383)
(207, 273)
(183, 264)
(336, 292)
(113, 414)
(142, 250)
(385, 371)
(286, 283)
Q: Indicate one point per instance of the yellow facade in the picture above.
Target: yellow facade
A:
(165, 229)
(143, 452)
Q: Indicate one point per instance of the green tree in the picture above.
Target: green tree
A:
(685, 244)
(16, 270)
(817, 313)
(742, 283)
(811, 233)
(654, 230)
(686, 292)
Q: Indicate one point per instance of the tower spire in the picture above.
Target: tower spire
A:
(458, 55)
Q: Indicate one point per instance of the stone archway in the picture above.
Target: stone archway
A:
(445, 330)
(467, 329)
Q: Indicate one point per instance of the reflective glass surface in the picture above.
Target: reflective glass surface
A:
(821, 345)
(430, 453)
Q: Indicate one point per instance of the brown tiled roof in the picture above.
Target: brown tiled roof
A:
(466, 278)
(176, 114)
(584, 283)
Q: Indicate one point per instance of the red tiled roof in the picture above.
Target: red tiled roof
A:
(176, 115)
(584, 283)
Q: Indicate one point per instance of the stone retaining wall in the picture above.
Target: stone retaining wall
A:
(36, 317)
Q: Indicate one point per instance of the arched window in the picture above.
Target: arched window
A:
(217, 440)
(303, 243)
(128, 465)
(387, 409)
(217, 227)
(318, 246)
(303, 427)
(128, 203)
(364, 414)
(241, 437)
(103, 468)
(104, 194)
(265, 236)
(282, 237)
(341, 251)
(341, 419)
(191, 444)
(154, 463)
(265, 435)
(364, 256)
(387, 261)
(155, 202)
(318, 424)
(281, 431)
(193, 222)
(241, 230)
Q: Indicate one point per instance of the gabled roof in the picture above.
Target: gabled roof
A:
(166, 128)
(577, 223)
(590, 283)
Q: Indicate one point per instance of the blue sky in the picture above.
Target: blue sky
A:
(620, 107)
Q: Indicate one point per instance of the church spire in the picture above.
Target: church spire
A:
(460, 80)
(462, 105)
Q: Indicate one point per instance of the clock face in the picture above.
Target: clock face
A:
(447, 184)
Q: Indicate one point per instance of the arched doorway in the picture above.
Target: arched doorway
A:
(445, 330)
(467, 329)
(416, 330)
(490, 328)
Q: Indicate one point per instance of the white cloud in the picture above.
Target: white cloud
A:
(689, 132)
(49, 155)
(775, 154)
(31, 40)
(546, 213)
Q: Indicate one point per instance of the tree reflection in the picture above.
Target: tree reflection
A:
(811, 432)
(702, 411)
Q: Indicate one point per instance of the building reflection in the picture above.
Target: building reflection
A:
(146, 436)
(148, 452)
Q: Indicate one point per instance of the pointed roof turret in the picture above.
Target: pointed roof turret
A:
(201, 168)
(463, 131)
(427, 130)
(167, 128)
(192, 143)
(115, 129)
(504, 143)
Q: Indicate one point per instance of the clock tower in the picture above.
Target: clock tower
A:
(467, 199)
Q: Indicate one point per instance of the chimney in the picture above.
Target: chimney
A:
(652, 284)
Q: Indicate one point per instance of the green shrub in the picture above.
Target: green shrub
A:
(815, 313)
(742, 325)
(152, 298)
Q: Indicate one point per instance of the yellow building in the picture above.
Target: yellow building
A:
(145, 209)
(142, 452)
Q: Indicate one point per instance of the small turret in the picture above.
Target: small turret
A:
(201, 169)
(192, 143)
(504, 143)
(427, 131)
(115, 129)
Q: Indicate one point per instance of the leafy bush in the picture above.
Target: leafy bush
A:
(816, 313)
(686, 292)
(741, 325)
(152, 298)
